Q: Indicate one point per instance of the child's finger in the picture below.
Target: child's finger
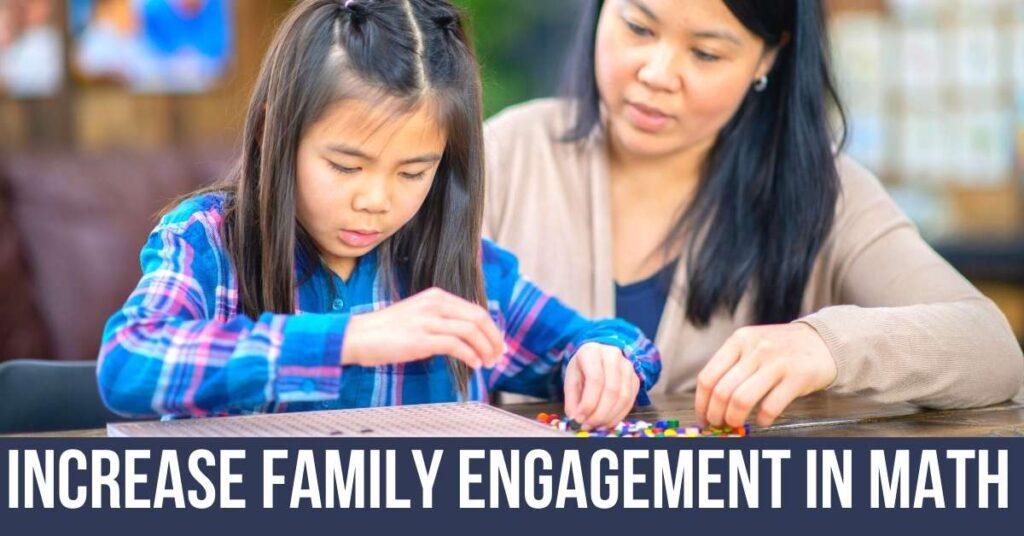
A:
(457, 308)
(708, 378)
(630, 387)
(592, 377)
(469, 333)
(611, 395)
(749, 393)
(573, 387)
(453, 346)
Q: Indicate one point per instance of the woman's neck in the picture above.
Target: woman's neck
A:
(679, 171)
(648, 194)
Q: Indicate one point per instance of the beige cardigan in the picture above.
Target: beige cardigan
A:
(900, 322)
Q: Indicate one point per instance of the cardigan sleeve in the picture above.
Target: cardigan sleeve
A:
(911, 328)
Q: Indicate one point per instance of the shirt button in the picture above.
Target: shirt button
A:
(338, 304)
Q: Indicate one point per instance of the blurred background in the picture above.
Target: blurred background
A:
(111, 108)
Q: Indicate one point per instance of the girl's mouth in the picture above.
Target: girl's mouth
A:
(359, 238)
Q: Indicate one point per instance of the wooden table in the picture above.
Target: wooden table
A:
(819, 415)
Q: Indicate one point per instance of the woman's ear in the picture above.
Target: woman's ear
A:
(769, 56)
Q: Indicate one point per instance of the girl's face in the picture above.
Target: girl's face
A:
(671, 73)
(362, 175)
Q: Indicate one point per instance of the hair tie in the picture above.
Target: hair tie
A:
(356, 10)
(446, 21)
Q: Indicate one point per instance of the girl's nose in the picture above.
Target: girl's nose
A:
(372, 197)
(660, 72)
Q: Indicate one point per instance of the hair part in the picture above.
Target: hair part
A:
(399, 53)
(768, 189)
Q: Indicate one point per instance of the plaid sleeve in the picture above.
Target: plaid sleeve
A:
(175, 349)
(542, 335)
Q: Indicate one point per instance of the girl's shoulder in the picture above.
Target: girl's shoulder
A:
(208, 206)
(500, 269)
(497, 261)
(197, 220)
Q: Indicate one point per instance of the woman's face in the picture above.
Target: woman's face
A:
(671, 73)
(363, 174)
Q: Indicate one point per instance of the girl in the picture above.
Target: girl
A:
(361, 183)
(720, 218)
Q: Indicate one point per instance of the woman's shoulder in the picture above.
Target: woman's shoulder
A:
(864, 210)
(860, 189)
(549, 116)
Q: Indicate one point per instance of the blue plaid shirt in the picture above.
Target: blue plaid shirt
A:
(180, 347)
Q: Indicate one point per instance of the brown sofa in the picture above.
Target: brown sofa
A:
(71, 226)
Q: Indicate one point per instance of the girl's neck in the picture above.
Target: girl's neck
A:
(342, 266)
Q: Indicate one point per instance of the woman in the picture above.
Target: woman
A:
(690, 183)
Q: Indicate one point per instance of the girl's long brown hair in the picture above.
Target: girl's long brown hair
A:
(405, 53)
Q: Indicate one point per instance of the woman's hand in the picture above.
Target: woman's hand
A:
(433, 322)
(600, 386)
(766, 365)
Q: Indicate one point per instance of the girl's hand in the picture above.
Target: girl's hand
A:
(433, 322)
(600, 386)
(766, 365)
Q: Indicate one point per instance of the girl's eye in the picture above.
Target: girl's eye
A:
(412, 176)
(705, 56)
(342, 169)
(639, 30)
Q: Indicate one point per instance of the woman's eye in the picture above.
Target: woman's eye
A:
(342, 169)
(639, 30)
(412, 176)
(704, 56)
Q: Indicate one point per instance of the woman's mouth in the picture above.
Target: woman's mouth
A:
(646, 118)
(359, 238)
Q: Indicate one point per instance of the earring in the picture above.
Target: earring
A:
(761, 84)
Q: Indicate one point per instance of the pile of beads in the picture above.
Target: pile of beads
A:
(637, 428)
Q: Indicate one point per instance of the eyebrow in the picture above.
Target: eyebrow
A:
(707, 34)
(354, 152)
(723, 35)
(639, 4)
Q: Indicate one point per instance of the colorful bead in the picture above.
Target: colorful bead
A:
(640, 428)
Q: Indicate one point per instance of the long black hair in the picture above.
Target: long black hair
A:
(769, 187)
(403, 53)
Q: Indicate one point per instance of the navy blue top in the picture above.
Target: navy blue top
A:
(642, 303)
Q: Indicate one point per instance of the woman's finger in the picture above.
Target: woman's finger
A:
(777, 401)
(719, 398)
(750, 393)
(720, 363)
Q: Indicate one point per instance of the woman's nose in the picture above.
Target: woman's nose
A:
(660, 72)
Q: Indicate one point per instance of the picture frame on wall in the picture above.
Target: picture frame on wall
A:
(152, 46)
(31, 49)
